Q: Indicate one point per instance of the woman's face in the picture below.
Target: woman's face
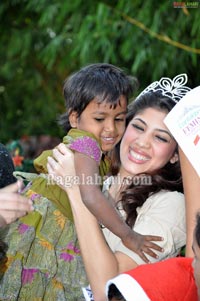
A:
(196, 264)
(147, 144)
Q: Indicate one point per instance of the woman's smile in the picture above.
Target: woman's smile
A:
(137, 156)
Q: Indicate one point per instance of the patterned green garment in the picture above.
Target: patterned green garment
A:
(43, 257)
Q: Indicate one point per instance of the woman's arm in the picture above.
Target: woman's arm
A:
(191, 185)
(106, 213)
(103, 210)
(100, 262)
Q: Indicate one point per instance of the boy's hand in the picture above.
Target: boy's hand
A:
(141, 244)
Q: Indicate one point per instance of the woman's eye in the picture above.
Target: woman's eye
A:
(162, 139)
(99, 119)
(138, 127)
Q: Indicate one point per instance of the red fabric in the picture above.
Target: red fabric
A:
(169, 280)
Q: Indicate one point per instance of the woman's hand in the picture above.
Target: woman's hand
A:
(12, 204)
(61, 167)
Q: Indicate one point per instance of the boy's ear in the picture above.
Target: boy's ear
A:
(174, 158)
(73, 119)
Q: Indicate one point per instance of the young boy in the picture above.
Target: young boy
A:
(96, 104)
(43, 249)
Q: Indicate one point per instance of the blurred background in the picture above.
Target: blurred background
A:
(43, 41)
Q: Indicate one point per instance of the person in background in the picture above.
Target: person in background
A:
(6, 167)
(186, 115)
(12, 206)
(191, 184)
(147, 190)
(196, 250)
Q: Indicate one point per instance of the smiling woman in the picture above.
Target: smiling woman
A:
(147, 149)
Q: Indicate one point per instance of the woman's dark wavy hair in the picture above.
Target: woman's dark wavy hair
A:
(102, 81)
(197, 229)
(167, 178)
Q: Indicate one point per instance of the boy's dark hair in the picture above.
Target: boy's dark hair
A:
(102, 81)
(197, 229)
(114, 294)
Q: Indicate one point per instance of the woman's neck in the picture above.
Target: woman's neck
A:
(124, 174)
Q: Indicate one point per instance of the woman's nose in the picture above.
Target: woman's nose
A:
(144, 141)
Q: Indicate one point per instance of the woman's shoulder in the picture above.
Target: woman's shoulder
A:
(167, 197)
(168, 193)
(164, 204)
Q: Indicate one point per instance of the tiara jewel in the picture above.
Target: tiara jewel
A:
(173, 88)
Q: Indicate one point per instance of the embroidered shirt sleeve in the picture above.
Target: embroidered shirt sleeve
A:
(88, 146)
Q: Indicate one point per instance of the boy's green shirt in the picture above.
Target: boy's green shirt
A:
(53, 192)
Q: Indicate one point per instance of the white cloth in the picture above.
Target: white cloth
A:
(87, 293)
(129, 287)
(162, 214)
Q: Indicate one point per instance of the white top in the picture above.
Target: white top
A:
(162, 214)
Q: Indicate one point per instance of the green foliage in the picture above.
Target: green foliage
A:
(43, 41)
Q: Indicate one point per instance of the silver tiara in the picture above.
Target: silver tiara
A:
(173, 88)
